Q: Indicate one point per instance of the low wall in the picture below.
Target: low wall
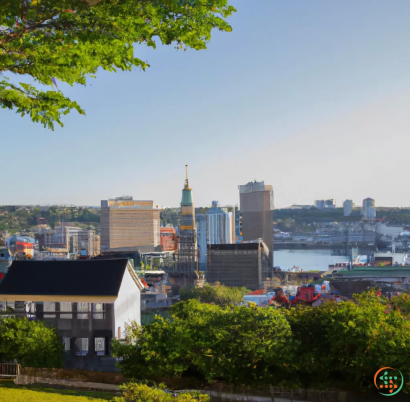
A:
(74, 375)
(25, 379)
(276, 395)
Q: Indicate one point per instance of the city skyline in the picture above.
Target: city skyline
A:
(305, 96)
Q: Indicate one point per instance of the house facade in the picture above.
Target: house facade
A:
(88, 301)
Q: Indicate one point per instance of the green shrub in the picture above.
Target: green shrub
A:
(30, 343)
(350, 341)
(132, 392)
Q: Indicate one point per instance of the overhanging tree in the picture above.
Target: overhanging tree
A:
(69, 40)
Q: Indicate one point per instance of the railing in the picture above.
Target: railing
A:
(151, 304)
(9, 370)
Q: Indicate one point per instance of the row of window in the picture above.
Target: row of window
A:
(67, 307)
(81, 346)
(50, 309)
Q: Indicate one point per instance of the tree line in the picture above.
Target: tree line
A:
(336, 343)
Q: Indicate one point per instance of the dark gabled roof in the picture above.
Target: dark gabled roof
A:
(69, 278)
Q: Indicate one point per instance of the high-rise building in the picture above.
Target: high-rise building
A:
(256, 208)
(369, 209)
(348, 206)
(187, 243)
(219, 222)
(128, 224)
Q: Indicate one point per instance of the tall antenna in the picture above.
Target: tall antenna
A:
(186, 173)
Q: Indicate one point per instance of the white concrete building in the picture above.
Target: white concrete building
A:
(369, 209)
(325, 204)
(348, 206)
(219, 223)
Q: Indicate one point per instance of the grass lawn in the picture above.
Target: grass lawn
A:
(31, 393)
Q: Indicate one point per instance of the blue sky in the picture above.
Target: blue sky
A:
(310, 96)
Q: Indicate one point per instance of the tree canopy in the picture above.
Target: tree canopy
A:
(349, 341)
(335, 344)
(236, 344)
(69, 40)
(31, 343)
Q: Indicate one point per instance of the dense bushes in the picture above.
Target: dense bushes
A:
(349, 341)
(311, 347)
(234, 344)
(132, 392)
(30, 343)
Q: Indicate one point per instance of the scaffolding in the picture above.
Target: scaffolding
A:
(187, 252)
(84, 243)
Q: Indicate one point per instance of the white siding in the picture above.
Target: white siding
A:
(127, 307)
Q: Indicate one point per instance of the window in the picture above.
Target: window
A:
(81, 346)
(98, 309)
(82, 308)
(66, 342)
(100, 346)
(66, 306)
(49, 306)
(31, 307)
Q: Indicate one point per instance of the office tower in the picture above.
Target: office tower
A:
(256, 208)
(128, 224)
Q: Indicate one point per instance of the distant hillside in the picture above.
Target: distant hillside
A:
(15, 218)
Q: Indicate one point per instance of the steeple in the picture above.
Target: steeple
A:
(186, 191)
(187, 204)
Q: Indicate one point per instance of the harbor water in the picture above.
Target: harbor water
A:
(308, 260)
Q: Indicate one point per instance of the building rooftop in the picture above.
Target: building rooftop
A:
(252, 186)
(128, 203)
(78, 278)
(238, 246)
(375, 272)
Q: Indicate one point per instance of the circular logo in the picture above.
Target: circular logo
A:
(388, 381)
